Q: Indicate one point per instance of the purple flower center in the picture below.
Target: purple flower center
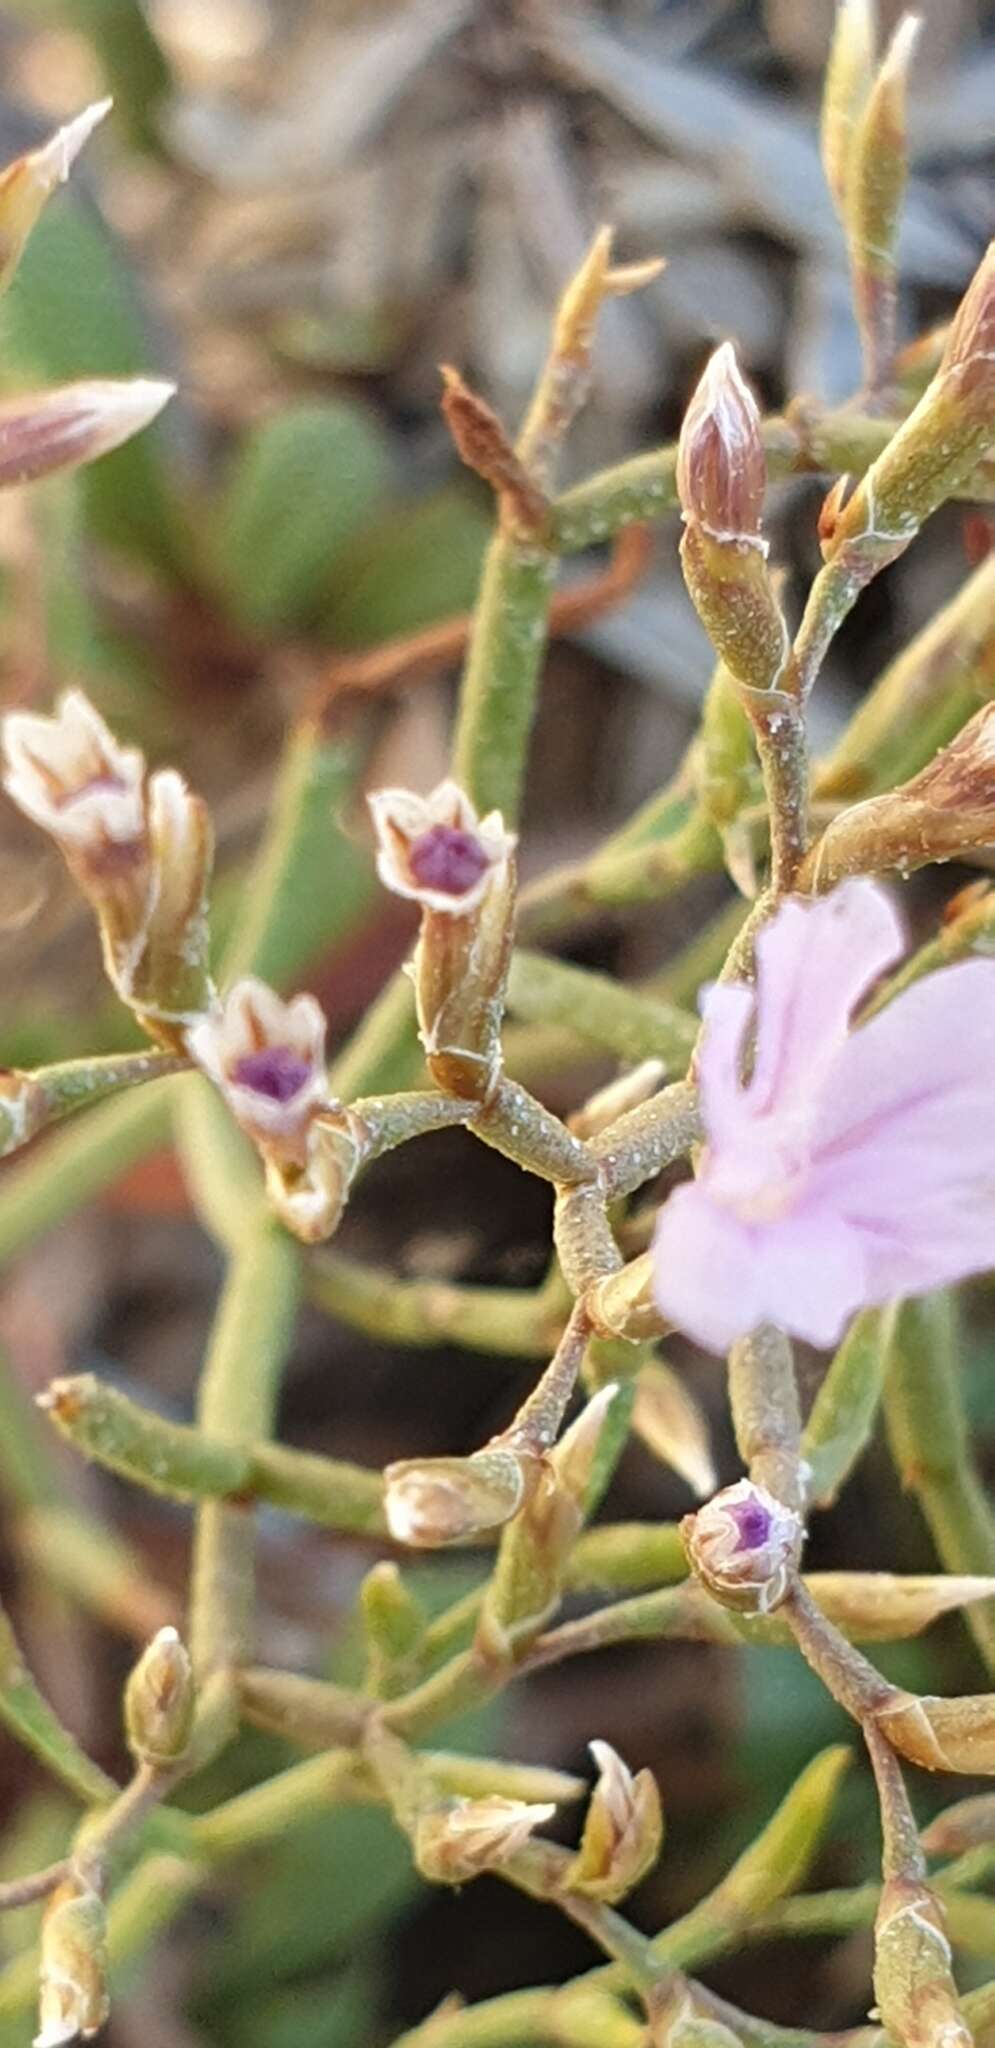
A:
(447, 859)
(274, 1071)
(753, 1523)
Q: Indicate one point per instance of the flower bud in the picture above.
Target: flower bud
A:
(721, 479)
(461, 870)
(72, 1979)
(159, 1702)
(433, 1501)
(744, 1546)
(28, 183)
(622, 1833)
(267, 1058)
(44, 431)
(913, 1978)
(876, 178)
(456, 1842)
(721, 464)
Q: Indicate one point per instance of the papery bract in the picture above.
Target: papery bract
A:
(851, 1168)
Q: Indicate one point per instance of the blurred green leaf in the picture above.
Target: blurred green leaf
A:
(73, 311)
(318, 1892)
(132, 62)
(336, 2014)
(303, 484)
(418, 564)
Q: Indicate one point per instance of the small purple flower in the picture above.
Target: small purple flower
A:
(743, 1545)
(852, 1168)
(436, 850)
(268, 1059)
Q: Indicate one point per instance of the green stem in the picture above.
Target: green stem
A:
(500, 682)
(192, 1464)
(512, 1322)
(621, 1020)
(930, 1443)
(236, 1404)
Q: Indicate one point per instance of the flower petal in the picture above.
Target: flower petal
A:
(717, 1278)
(814, 963)
(705, 1270)
(726, 1009)
(909, 1108)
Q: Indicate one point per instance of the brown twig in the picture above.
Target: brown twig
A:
(411, 656)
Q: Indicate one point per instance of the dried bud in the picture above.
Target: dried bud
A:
(140, 850)
(622, 1833)
(310, 1198)
(913, 1978)
(43, 431)
(673, 1426)
(721, 464)
(30, 180)
(435, 850)
(457, 1842)
(623, 1305)
(462, 872)
(744, 1546)
(267, 1057)
(434, 1501)
(159, 1702)
(944, 811)
(72, 1979)
(941, 1734)
(936, 447)
(24, 1108)
(848, 82)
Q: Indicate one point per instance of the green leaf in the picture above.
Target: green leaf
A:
(132, 62)
(419, 564)
(303, 484)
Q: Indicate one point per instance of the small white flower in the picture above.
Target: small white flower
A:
(435, 850)
(268, 1059)
(72, 777)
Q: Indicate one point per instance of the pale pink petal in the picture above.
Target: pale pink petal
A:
(933, 1243)
(911, 1100)
(814, 963)
(812, 1274)
(706, 1272)
(726, 1011)
(717, 1277)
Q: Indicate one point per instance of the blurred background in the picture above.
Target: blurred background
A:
(298, 208)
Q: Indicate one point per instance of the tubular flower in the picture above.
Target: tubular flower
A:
(851, 1168)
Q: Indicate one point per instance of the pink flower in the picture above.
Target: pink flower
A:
(852, 1168)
